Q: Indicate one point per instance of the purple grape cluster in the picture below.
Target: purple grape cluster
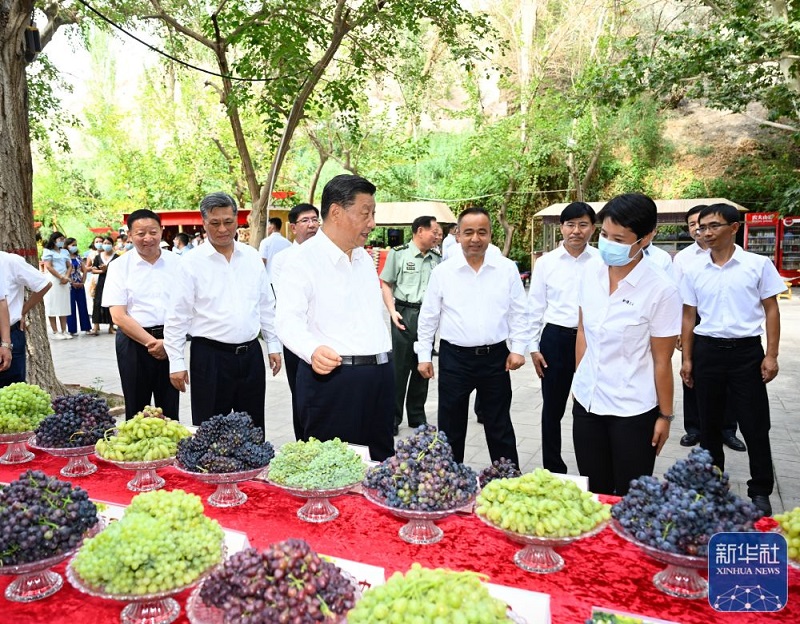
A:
(41, 517)
(683, 512)
(79, 420)
(422, 474)
(225, 443)
(500, 469)
(288, 582)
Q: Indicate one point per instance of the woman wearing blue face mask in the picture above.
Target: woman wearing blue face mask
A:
(99, 268)
(630, 317)
(56, 301)
(77, 294)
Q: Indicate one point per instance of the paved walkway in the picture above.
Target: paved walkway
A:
(91, 361)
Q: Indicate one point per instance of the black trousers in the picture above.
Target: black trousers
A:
(290, 363)
(462, 370)
(613, 450)
(223, 381)
(557, 346)
(410, 387)
(728, 377)
(352, 403)
(144, 377)
(16, 372)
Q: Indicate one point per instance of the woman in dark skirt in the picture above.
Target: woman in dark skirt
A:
(101, 314)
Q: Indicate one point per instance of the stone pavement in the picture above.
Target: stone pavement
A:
(91, 361)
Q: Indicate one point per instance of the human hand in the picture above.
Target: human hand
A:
(324, 360)
(425, 369)
(660, 434)
(156, 348)
(539, 363)
(769, 368)
(686, 374)
(396, 318)
(179, 380)
(514, 361)
(5, 359)
(275, 363)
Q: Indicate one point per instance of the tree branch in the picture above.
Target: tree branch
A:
(771, 124)
(184, 30)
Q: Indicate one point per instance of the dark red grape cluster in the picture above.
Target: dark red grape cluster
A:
(225, 443)
(41, 517)
(500, 469)
(683, 512)
(79, 420)
(422, 474)
(287, 582)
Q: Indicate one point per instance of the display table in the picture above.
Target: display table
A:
(603, 571)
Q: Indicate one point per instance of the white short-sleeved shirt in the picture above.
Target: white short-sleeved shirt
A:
(661, 259)
(728, 297)
(278, 262)
(617, 375)
(553, 294)
(685, 258)
(271, 245)
(19, 275)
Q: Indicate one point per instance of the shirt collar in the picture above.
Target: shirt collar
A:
(137, 259)
(737, 257)
(412, 246)
(562, 251)
(208, 249)
(332, 251)
(635, 276)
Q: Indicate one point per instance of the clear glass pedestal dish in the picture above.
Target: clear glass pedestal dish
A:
(16, 453)
(78, 456)
(680, 578)
(146, 479)
(317, 508)
(421, 526)
(227, 493)
(539, 554)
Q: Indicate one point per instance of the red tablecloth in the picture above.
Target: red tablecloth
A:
(605, 570)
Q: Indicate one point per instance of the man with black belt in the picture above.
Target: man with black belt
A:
(477, 301)
(222, 298)
(734, 292)
(553, 310)
(332, 317)
(136, 291)
(403, 281)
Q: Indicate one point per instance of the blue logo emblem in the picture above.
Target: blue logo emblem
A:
(748, 572)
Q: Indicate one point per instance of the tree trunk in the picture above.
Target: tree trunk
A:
(508, 229)
(16, 177)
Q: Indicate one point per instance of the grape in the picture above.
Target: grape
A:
(682, 513)
(316, 465)
(422, 474)
(225, 443)
(22, 407)
(41, 517)
(288, 582)
(151, 411)
(162, 541)
(79, 420)
(500, 469)
(424, 595)
(540, 503)
(143, 439)
(790, 526)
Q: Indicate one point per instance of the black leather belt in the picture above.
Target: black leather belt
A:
(237, 349)
(366, 360)
(572, 331)
(156, 331)
(405, 304)
(729, 343)
(482, 350)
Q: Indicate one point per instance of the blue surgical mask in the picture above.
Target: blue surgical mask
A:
(98, 246)
(128, 245)
(615, 254)
(107, 247)
(73, 249)
(60, 244)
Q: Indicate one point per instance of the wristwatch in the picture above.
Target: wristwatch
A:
(668, 418)
(7, 345)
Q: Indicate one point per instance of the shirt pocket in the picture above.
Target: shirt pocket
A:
(635, 341)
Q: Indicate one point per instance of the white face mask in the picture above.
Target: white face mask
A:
(616, 254)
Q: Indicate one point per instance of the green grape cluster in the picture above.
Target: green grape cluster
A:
(790, 526)
(429, 596)
(162, 541)
(22, 407)
(143, 438)
(541, 504)
(151, 411)
(316, 465)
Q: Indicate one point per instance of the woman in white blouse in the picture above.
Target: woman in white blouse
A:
(56, 301)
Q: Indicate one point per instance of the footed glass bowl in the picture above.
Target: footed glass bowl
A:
(78, 464)
(421, 527)
(680, 578)
(146, 479)
(16, 453)
(317, 508)
(539, 555)
(227, 493)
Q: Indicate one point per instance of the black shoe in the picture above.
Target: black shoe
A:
(419, 424)
(690, 439)
(734, 443)
(762, 502)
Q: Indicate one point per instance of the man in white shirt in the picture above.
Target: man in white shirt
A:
(449, 240)
(734, 292)
(5, 329)
(660, 258)
(273, 243)
(330, 313)
(136, 292)
(19, 275)
(222, 299)
(180, 244)
(304, 223)
(477, 302)
(553, 310)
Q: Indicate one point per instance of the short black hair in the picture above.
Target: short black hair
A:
(726, 211)
(51, 241)
(276, 222)
(576, 210)
(693, 211)
(422, 222)
(634, 211)
(216, 200)
(299, 209)
(183, 237)
(342, 189)
(473, 210)
(142, 213)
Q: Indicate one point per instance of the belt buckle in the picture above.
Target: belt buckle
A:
(241, 349)
(482, 350)
(382, 358)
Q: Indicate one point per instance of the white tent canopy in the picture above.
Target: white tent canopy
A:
(404, 213)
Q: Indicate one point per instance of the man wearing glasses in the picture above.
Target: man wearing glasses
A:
(734, 292)
(553, 310)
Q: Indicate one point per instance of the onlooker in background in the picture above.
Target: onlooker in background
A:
(180, 243)
(20, 275)
(629, 322)
(404, 279)
(660, 258)
(439, 234)
(89, 256)
(100, 313)
(553, 310)
(77, 294)
(57, 299)
(274, 242)
(449, 240)
(6, 346)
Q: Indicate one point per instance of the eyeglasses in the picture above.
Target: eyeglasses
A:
(711, 226)
(581, 225)
(307, 221)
